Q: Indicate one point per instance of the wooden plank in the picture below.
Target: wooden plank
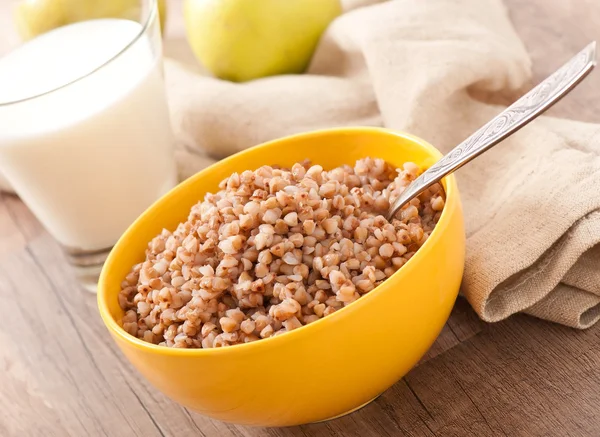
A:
(445, 341)
(464, 322)
(57, 382)
(12, 240)
(521, 377)
(553, 31)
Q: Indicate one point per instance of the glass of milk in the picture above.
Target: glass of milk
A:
(85, 139)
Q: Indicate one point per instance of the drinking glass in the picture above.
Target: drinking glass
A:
(85, 139)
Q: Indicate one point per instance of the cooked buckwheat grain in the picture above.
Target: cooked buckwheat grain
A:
(274, 250)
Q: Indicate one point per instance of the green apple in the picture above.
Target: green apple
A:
(80, 10)
(241, 40)
(34, 17)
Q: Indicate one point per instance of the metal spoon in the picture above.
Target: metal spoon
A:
(505, 124)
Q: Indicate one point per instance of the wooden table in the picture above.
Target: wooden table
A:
(61, 375)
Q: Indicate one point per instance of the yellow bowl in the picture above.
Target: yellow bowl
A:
(333, 365)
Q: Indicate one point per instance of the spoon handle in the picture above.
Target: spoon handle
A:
(506, 123)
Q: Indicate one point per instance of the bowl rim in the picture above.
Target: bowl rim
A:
(452, 202)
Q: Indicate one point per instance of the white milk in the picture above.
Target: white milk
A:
(90, 157)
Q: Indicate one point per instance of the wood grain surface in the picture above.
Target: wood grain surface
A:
(61, 375)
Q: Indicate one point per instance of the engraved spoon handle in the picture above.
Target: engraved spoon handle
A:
(506, 123)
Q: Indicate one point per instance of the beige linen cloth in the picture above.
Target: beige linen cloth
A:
(532, 205)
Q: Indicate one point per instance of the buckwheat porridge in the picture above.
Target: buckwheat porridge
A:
(273, 250)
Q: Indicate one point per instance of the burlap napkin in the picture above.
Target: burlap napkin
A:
(532, 205)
